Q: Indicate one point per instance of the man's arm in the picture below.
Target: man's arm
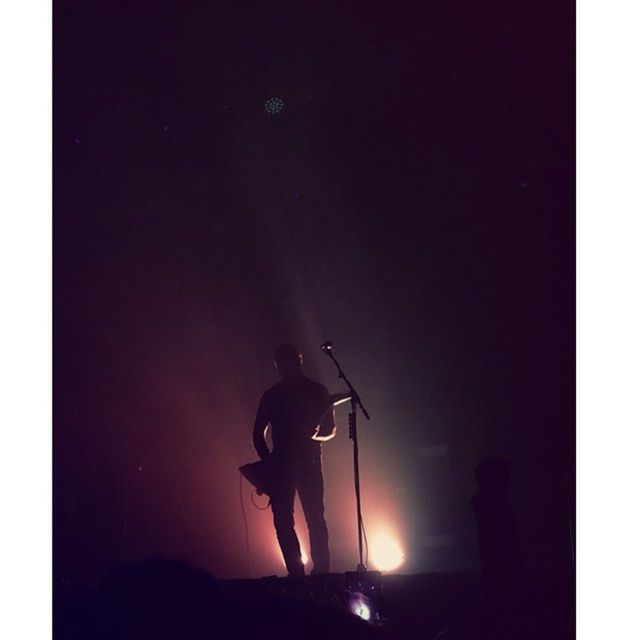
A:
(326, 430)
(260, 427)
(318, 437)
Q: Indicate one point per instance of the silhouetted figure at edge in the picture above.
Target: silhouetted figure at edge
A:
(300, 415)
(498, 542)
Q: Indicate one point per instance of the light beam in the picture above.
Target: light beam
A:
(386, 552)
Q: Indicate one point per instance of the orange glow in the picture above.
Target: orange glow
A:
(303, 553)
(386, 552)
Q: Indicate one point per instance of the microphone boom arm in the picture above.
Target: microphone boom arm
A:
(355, 398)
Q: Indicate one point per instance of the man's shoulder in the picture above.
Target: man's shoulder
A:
(284, 388)
(316, 388)
(272, 391)
(314, 384)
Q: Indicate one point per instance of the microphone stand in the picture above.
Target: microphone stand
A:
(353, 434)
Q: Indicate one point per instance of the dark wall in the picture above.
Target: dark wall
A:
(413, 202)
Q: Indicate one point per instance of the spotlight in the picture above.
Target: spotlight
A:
(274, 106)
(359, 606)
(363, 591)
(386, 553)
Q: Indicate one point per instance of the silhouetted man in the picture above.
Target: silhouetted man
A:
(300, 415)
(498, 543)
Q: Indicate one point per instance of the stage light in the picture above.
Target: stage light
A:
(361, 608)
(274, 106)
(386, 553)
(363, 590)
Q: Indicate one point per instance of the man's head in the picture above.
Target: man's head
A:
(288, 360)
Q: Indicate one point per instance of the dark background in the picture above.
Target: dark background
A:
(413, 202)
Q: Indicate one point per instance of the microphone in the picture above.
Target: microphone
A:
(327, 346)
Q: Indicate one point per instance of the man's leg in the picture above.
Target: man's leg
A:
(282, 507)
(311, 490)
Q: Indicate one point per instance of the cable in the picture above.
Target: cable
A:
(366, 543)
(257, 506)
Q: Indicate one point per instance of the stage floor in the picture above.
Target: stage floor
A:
(161, 599)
